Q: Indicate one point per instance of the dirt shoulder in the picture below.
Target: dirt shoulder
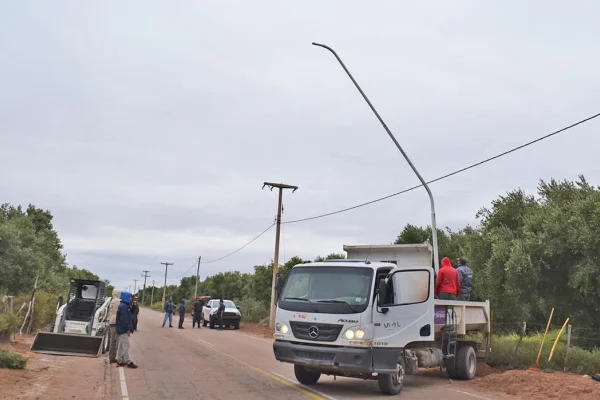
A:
(52, 377)
(535, 385)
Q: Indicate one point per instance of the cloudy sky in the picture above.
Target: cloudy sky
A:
(148, 128)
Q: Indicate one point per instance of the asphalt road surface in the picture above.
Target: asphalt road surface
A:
(228, 365)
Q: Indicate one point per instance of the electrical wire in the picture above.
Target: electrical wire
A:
(447, 175)
(188, 270)
(240, 248)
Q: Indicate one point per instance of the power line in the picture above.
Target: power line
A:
(186, 271)
(447, 175)
(241, 248)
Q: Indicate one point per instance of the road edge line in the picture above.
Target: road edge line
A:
(124, 393)
(328, 397)
(470, 394)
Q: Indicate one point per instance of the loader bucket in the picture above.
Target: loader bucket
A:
(67, 345)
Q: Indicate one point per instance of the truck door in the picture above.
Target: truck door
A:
(407, 314)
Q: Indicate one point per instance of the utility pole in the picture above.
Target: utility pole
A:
(135, 281)
(281, 187)
(197, 278)
(152, 299)
(166, 264)
(145, 276)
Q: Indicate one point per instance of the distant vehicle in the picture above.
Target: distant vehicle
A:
(232, 315)
(80, 328)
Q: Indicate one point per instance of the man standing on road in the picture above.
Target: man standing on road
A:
(181, 313)
(135, 310)
(112, 320)
(221, 314)
(198, 304)
(447, 286)
(169, 308)
(465, 277)
(124, 327)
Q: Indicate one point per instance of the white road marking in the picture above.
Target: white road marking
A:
(470, 394)
(257, 338)
(205, 342)
(124, 393)
(304, 387)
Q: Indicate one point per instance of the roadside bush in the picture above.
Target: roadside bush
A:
(252, 310)
(12, 360)
(505, 353)
(157, 305)
(9, 323)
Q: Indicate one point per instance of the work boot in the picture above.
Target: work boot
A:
(131, 365)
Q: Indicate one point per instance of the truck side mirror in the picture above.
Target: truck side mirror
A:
(383, 293)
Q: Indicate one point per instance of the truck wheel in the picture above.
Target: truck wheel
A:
(466, 363)
(236, 326)
(392, 384)
(305, 376)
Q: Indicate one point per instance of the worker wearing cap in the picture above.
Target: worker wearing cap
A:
(112, 320)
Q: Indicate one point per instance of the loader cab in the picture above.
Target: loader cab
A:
(85, 296)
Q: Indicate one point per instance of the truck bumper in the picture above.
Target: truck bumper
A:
(343, 359)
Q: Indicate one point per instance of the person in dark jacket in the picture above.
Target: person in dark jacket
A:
(198, 304)
(135, 310)
(465, 277)
(447, 286)
(169, 308)
(221, 314)
(123, 328)
(181, 313)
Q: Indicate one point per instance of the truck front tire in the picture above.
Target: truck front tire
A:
(305, 376)
(392, 384)
(466, 363)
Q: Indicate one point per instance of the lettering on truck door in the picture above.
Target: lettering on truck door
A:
(410, 309)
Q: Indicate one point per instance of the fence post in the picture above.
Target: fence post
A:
(568, 346)
(523, 330)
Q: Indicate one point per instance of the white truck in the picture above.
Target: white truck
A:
(374, 316)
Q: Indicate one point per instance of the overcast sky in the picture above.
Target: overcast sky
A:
(148, 127)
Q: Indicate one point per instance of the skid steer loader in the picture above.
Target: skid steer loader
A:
(81, 325)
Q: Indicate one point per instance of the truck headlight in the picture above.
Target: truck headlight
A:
(283, 328)
(357, 333)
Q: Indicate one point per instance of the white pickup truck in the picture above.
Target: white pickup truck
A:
(374, 316)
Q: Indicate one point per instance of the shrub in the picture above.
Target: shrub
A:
(252, 310)
(505, 353)
(12, 360)
(9, 323)
(157, 305)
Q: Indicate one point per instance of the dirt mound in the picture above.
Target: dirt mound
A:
(540, 385)
(484, 370)
(257, 330)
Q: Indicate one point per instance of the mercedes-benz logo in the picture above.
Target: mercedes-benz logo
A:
(313, 332)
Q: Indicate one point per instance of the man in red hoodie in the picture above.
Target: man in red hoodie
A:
(447, 286)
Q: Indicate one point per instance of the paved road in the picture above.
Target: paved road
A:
(227, 365)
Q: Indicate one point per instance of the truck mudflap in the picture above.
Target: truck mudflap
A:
(67, 345)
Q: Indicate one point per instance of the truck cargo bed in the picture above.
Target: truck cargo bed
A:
(469, 316)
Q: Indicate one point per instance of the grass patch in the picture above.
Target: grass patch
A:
(12, 360)
(506, 353)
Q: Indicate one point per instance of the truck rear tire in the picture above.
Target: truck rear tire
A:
(305, 376)
(466, 363)
(392, 384)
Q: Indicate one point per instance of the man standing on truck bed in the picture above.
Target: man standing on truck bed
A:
(447, 286)
(465, 277)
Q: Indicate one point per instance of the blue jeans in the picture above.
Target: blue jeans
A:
(168, 315)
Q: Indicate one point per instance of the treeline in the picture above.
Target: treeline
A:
(529, 253)
(30, 251)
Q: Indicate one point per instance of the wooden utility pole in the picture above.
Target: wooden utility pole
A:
(145, 276)
(197, 278)
(281, 187)
(135, 281)
(166, 264)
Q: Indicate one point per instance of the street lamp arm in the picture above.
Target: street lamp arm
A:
(423, 182)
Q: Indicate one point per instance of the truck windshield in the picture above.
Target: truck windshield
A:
(333, 290)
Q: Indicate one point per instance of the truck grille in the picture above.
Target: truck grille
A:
(316, 332)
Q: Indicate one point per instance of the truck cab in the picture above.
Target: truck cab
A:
(374, 316)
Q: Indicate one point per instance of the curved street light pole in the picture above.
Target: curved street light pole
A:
(436, 260)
